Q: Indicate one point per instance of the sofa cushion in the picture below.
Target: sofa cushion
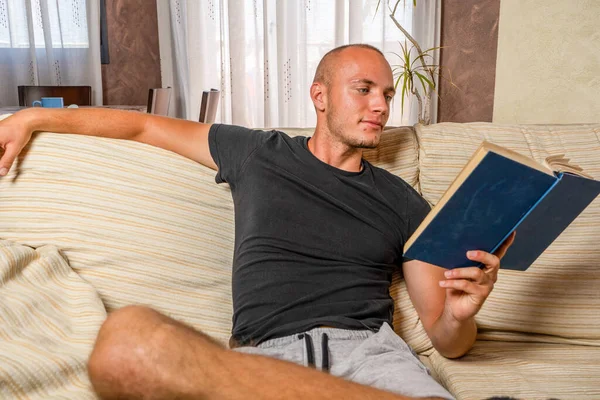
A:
(557, 298)
(141, 224)
(49, 319)
(521, 371)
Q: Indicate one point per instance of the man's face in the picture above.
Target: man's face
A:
(358, 97)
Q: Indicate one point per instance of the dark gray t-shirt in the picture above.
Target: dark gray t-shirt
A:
(314, 245)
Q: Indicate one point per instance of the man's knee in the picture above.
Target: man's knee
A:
(125, 341)
(127, 323)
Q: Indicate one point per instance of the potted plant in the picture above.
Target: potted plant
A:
(415, 73)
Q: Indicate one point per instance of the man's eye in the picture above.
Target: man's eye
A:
(389, 98)
(363, 90)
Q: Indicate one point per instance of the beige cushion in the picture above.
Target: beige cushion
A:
(49, 319)
(557, 298)
(521, 370)
(141, 224)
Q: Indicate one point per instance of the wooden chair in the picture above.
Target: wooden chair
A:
(209, 105)
(159, 100)
(80, 95)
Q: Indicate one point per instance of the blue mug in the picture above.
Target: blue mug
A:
(50, 102)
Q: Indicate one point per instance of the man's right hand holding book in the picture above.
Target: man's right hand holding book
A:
(448, 310)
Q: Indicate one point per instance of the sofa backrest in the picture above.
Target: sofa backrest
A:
(146, 226)
(558, 298)
(141, 224)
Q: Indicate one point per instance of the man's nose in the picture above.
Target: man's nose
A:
(379, 104)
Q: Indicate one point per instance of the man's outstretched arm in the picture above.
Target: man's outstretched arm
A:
(187, 138)
(141, 354)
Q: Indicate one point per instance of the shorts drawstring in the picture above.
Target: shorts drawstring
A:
(325, 352)
(310, 350)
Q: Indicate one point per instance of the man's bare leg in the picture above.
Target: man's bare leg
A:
(142, 354)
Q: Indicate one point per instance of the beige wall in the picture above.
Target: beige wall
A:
(548, 62)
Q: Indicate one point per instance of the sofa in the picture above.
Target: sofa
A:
(89, 225)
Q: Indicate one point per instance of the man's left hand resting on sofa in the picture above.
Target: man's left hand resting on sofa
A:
(326, 231)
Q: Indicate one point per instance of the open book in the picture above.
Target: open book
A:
(497, 192)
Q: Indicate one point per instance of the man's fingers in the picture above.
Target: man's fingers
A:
(489, 260)
(501, 251)
(464, 286)
(471, 273)
(10, 153)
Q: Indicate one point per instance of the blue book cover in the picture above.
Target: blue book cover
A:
(550, 217)
(496, 192)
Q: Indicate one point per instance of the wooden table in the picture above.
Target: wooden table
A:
(14, 109)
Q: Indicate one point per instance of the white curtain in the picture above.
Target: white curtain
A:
(262, 54)
(49, 42)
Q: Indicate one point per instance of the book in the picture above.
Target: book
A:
(497, 192)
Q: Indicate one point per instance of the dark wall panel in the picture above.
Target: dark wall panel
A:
(469, 37)
(133, 48)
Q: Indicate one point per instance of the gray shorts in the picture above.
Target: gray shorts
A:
(381, 360)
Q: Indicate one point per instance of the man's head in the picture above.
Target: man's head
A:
(351, 92)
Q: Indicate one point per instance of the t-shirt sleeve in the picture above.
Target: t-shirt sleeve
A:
(231, 146)
(417, 209)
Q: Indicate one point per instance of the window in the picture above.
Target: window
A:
(67, 20)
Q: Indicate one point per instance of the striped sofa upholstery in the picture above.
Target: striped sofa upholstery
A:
(140, 224)
(49, 319)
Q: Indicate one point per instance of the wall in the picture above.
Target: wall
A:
(133, 48)
(469, 37)
(548, 62)
(534, 46)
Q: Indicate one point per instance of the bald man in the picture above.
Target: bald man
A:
(319, 231)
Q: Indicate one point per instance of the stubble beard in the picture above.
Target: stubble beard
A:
(336, 128)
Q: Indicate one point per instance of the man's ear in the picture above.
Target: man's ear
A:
(318, 95)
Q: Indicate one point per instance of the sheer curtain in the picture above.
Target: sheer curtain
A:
(49, 42)
(262, 55)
